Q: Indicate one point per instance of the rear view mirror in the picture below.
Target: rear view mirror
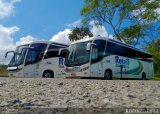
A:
(8, 52)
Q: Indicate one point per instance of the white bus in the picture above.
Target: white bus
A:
(37, 59)
(106, 58)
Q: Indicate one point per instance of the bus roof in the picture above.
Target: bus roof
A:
(109, 40)
(46, 42)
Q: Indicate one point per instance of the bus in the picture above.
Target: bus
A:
(37, 59)
(100, 57)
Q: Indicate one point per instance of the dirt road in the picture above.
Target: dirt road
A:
(78, 93)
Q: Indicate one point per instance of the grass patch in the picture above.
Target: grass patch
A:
(156, 77)
(3, 74)
(3, 71)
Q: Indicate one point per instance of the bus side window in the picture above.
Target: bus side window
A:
(34, 55)
(114, 49)
(40, 56)
(94, 53)
(53, 52)
(98, 50)
(63, 54)
(31, 57)
(101, 44)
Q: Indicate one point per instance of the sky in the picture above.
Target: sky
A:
(39, 18)
(23, 21)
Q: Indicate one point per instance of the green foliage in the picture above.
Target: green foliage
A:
(149, 7)
(78, 33)
(128, 32)
(156, 77)
(3, 68)
(3, 71)
(154, 49)
(140, 14)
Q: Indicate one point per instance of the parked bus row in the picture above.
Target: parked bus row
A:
(96, 57)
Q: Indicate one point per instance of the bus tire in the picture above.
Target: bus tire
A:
(48, 74)
(108, 75)
(143, 76)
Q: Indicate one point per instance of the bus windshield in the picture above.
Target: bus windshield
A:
(19, 55)
(35, 53)
(77, 55)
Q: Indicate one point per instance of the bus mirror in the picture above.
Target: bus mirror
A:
(88, 48)
(8, 52)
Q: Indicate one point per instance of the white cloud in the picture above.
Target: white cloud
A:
(24, 40)
(98, 30)
(111, 36)
(7, 8)
(7, 41)
(62, 37)
(158, 11)
(74, 24)
(142, 10)
(95, 29)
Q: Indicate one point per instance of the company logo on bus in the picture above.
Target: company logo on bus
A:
(121, 61)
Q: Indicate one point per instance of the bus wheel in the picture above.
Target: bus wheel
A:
(48, 74)
(143, 76)
(108, 75)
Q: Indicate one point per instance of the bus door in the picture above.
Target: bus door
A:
(34, 56)
(30, 64)
(97, 58)
(29, 71)
(125, 68)
(94, 63)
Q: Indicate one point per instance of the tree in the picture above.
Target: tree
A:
(129, 19)
(154, 49)
(79, 33)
